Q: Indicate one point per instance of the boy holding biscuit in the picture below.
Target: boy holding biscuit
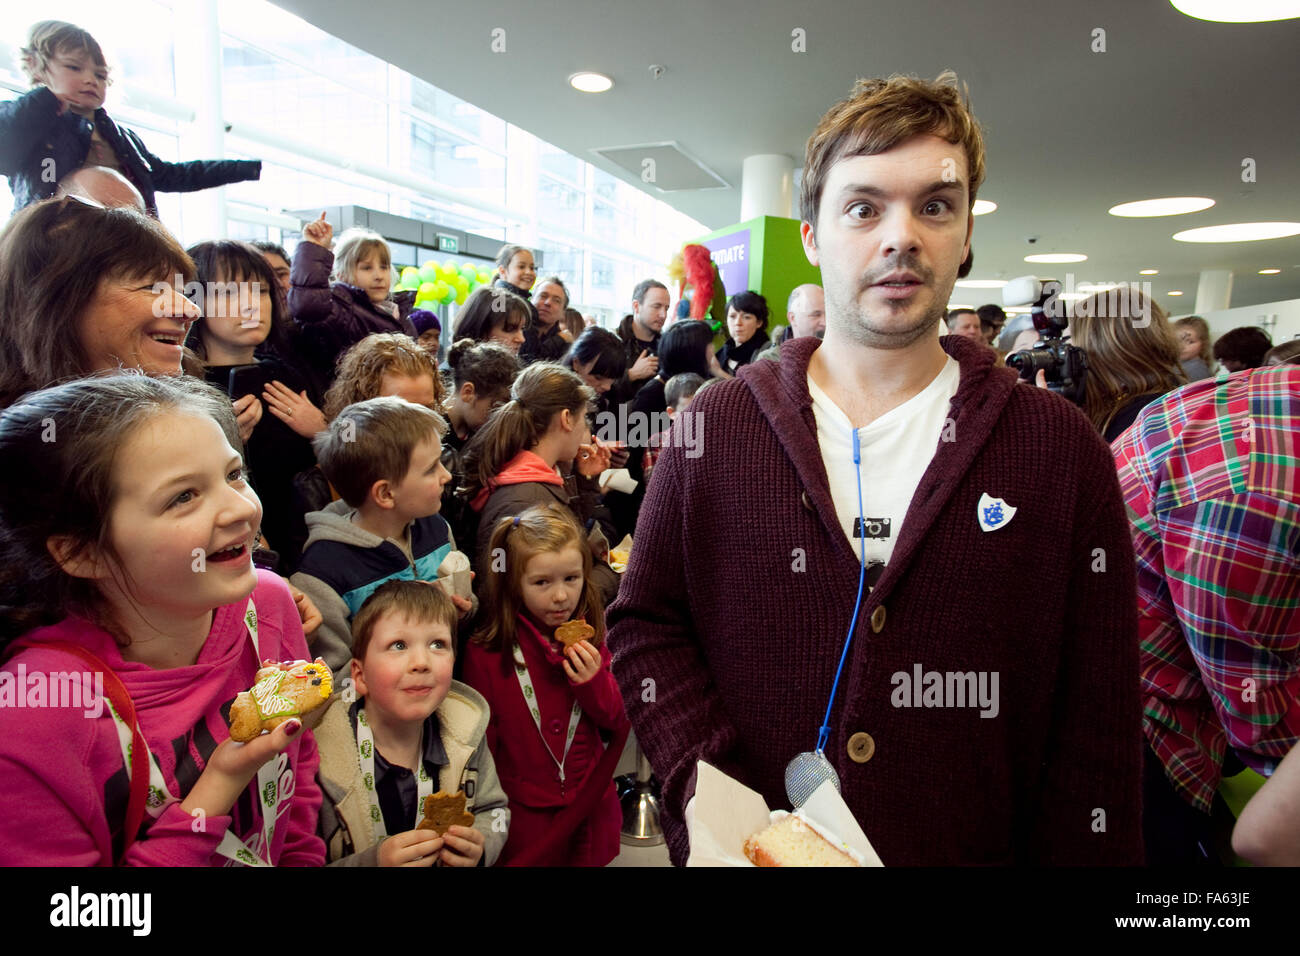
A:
(406, 742)
(383, 457)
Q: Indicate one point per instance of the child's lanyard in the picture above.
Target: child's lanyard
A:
(269, 793)
(530, 698)
(366, 758)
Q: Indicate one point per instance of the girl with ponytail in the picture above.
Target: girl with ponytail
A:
(514, 461)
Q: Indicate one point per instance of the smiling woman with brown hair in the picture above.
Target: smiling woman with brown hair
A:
(82, 289)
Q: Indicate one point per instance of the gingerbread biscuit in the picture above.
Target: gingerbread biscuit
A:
(443, 810)
(571, 632)
(281, 691)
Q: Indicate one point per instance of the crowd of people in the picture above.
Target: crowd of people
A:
(295, 463)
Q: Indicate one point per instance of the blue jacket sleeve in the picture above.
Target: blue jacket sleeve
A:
(23, 123)
(198, 174)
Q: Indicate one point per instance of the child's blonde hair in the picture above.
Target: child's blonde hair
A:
(355, 245)
(46, 39)
(540, 529)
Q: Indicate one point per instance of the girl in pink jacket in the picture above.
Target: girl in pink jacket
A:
(130, 617)
(552, 705)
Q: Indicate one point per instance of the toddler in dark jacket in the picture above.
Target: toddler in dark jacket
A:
(61, 126)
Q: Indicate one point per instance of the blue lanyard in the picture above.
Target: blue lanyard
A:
(825, 731)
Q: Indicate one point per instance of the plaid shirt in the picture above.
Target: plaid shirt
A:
(1209, 475)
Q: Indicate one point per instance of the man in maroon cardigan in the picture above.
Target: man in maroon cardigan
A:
(988, 712)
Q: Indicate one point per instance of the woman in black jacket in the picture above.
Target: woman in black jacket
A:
(747, 328)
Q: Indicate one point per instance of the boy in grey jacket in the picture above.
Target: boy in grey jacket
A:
(383, 457)
(403, 730)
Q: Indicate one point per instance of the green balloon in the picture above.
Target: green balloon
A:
(428, 273)
(469, 272)
(410, 274)
(449, 296)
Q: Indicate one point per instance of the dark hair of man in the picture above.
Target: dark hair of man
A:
(1245, 345)
(644, 286)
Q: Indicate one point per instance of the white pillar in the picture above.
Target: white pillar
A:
(1214, 291)
(767, 186)
(198, 80)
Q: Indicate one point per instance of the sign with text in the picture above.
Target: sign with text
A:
(731, 255)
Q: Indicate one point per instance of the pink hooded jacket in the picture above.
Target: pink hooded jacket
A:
(62, 769)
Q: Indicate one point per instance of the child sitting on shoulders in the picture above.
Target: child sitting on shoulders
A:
(61, 126)
(383, 457)
(339, 297)
(404, 730)
(563, 808)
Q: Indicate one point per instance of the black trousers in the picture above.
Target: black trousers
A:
(1175, 832)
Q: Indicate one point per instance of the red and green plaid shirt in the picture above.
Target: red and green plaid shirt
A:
(1210, 477)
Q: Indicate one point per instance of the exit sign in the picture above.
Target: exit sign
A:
(448, 243)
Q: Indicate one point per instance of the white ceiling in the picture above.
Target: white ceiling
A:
(1171, 108)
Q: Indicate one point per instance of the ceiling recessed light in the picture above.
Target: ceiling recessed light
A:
(1057, 257)
(1238, 11)
(1173, 206)
(1176, 292)
(1269, 272)
(1149, 272)
(981, 283)
(959, 305)
(983, 207)
(590, 82)
(1239, 232)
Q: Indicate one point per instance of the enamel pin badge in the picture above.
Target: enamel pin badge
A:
(993, 513)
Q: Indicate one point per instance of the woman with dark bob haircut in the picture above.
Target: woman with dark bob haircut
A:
(599, 357)
(493, 315)
(746, 330)
(82, 289)
(686, 346)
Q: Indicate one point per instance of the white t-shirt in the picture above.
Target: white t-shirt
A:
(896, 450)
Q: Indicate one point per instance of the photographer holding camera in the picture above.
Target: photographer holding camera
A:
(1121, 353)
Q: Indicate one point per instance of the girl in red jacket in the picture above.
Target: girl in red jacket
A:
(552, 704)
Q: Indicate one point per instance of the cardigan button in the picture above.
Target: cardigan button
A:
(806, 502)
(555, 727)
(878, 619)
(861, 747)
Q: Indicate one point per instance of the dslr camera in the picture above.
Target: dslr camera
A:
(1066, 365)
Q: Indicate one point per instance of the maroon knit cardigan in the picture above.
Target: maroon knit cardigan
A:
(730, 621)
